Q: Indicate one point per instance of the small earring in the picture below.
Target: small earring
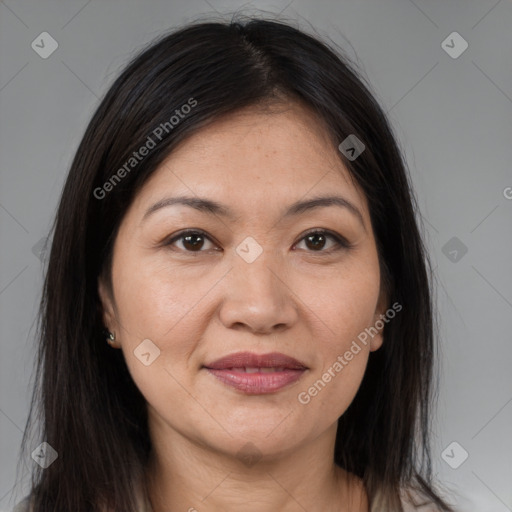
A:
(111, 337)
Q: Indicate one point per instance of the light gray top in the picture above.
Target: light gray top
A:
(145, 505)
(23, 506)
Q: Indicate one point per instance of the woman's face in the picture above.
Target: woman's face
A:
(250, 282)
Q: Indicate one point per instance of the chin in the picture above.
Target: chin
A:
(260, 439)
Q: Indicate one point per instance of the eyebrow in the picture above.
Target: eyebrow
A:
(214, 208)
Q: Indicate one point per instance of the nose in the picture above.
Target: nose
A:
(257, 299)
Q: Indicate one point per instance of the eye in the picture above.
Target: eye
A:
(193, 241)
(317, 240)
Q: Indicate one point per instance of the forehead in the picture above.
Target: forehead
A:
(252, 157)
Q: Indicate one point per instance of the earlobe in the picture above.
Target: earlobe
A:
(106, 306)
(378, 339)
(376, 342)
(108, 315)
(379, 322)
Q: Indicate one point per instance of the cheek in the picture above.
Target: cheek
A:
(334, 383)
(345, 304)
(333, 390)
(156, 315)
(154, 300)
(157, 312)
(346, 307)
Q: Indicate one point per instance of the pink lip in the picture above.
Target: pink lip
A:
(227, 370)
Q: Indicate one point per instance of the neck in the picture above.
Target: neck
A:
(183, 475)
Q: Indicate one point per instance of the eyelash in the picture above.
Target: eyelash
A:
(341, 243)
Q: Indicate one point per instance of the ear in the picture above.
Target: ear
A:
(379, 320)
(108, 311)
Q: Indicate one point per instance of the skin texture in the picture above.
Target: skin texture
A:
(197, 305)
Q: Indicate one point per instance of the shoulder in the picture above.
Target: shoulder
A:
(412, 501)
(355, 488)
(23, 505)
(143, 503)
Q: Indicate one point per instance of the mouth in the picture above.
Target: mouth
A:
(257, 374)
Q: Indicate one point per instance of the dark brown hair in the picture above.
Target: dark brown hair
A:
(91, 412)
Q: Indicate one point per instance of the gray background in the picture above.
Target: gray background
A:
(452, 117)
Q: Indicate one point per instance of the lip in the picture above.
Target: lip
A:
(231, 371)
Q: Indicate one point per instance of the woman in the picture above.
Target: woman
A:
(238, 224)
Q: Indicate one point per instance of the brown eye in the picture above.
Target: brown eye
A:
(192, 241)
(317, 240)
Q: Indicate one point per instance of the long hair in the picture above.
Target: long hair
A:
(89, 409)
